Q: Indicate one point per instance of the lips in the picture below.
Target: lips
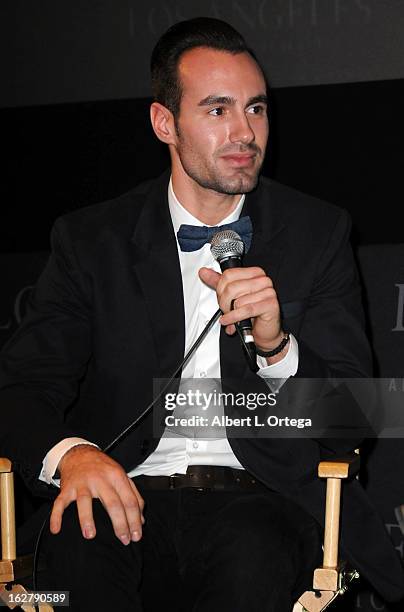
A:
(239, 159)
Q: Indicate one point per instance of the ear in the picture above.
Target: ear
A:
(162, 121)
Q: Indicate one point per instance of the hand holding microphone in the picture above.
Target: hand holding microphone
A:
(244, 295)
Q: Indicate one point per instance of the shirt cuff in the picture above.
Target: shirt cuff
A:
(276, 374)
(53, 457)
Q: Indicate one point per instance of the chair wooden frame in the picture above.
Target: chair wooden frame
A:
(332, 578)
(329, 581)
(11, 567)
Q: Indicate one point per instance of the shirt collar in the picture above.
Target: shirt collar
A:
(179, 215)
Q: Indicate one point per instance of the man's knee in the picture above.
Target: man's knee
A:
(70, 538)
(69, 553)
(267, 534)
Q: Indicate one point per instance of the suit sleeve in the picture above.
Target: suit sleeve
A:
(332, 339)
(332, 343)
(42, 364)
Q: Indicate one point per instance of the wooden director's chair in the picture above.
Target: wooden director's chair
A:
(329, 581)
(333, 578)
(11, 567)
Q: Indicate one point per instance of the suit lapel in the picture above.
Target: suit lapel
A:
(157, 268)
(266, 251)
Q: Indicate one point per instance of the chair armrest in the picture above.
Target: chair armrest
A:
(341, 467)
(327, 577)
(8, 542)
(5, 465)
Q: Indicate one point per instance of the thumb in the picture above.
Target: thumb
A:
(209, 277)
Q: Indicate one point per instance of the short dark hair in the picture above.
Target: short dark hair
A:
(181, 37)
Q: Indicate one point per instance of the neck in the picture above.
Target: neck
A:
(207, 205)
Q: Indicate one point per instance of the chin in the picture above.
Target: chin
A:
(241, 184)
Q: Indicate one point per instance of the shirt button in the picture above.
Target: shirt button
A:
(195, 444)
(202, 374)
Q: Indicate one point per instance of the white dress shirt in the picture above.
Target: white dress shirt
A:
(175, 453)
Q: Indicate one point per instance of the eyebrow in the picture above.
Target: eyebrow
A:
(229, 101)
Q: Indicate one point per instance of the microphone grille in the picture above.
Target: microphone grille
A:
(226, 243)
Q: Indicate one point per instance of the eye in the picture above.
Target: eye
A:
(217, 112)
(257, 109)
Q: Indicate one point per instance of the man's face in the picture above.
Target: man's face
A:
(222, 126)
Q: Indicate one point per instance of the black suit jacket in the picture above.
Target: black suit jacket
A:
(107, 316)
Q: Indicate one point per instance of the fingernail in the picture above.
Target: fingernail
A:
(125, 539)
(135, 536)
(88, 532)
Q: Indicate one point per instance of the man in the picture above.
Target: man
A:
(118, 304)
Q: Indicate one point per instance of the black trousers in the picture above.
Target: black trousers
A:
(201, 551)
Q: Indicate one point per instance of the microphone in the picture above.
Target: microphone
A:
(227, 248)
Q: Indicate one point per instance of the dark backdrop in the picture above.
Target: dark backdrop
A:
(75, 131)
(75, 92)
(341, 142)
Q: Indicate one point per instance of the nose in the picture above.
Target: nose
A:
(241, 130)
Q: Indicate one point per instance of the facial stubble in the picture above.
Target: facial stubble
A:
(208, 176)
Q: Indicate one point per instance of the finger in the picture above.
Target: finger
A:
(116, 511)
(133, 509)
(139, 497)
(85, 511)
(230, 330)
(267, 307)
(209, 277)
(59, 506)
(228, 292)
(259, 296)
(234, 274)
(266, 296)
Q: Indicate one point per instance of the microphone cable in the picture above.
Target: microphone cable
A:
(128, 429)
(193, 348)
